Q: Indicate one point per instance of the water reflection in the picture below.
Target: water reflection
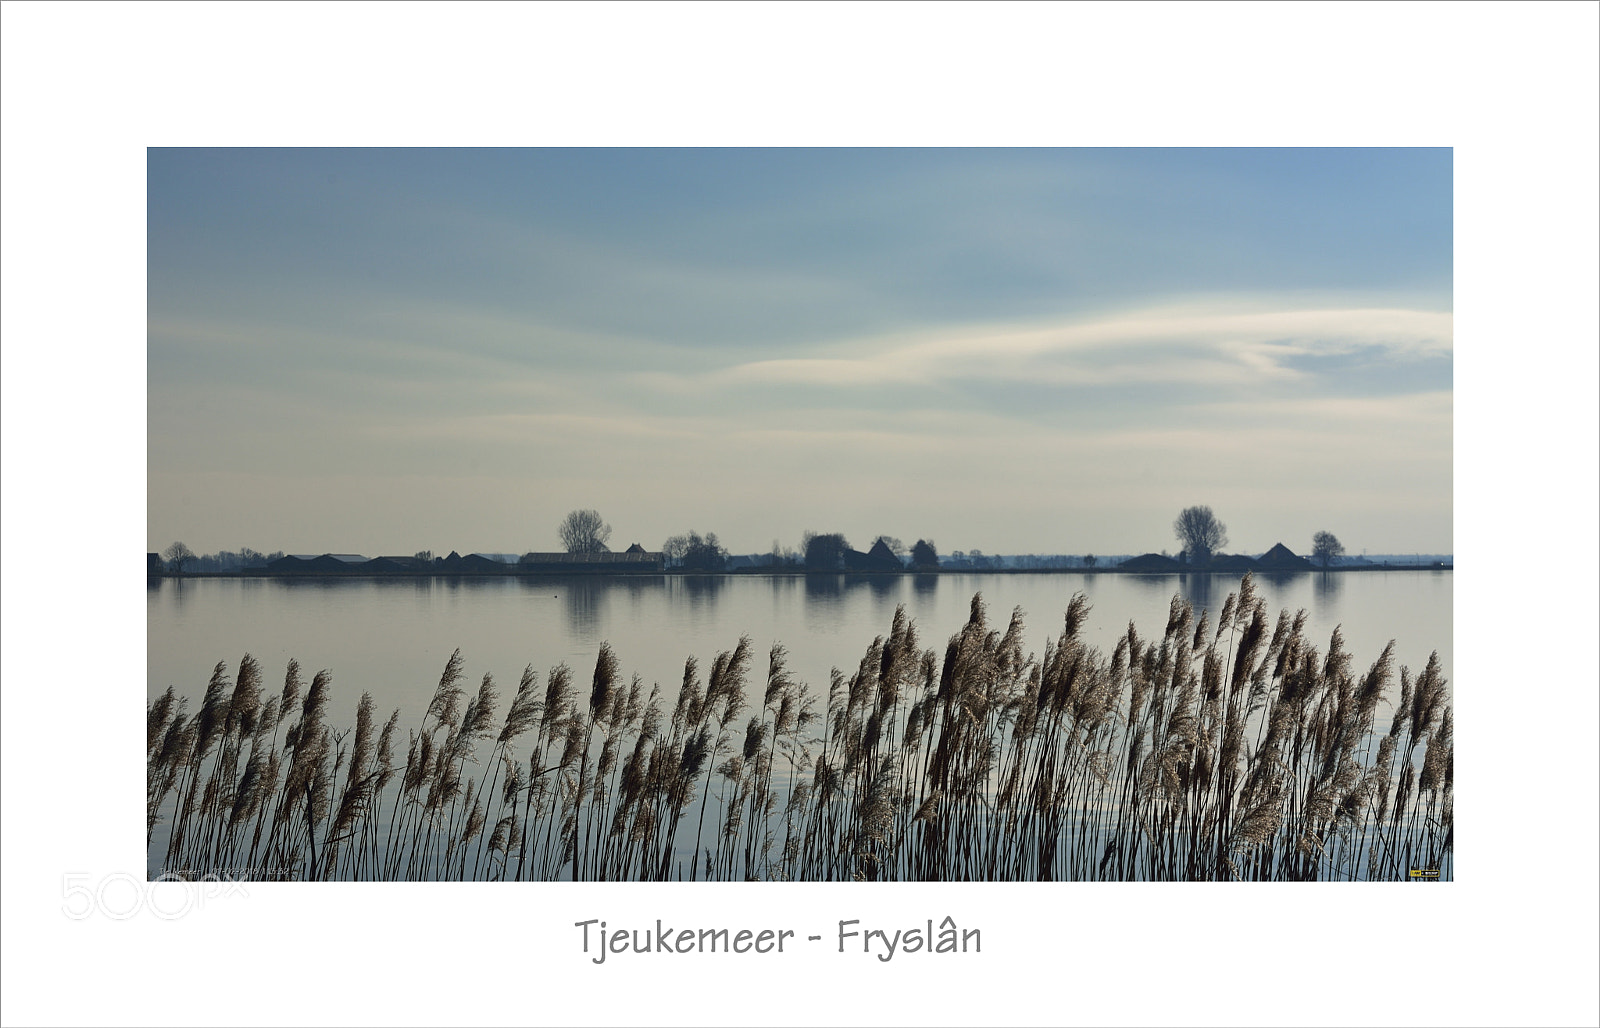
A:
(885, 588)
(1327, 587)
(392, 635)
(1208, 592)
(1199, 589)
(1152, 586)
(583, 601)
(700, 594)
(824, 590)
(1280, 582)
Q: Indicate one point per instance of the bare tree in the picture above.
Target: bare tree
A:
(674, 549)
(1326, 548)
(696, 553)
(584, 531)
(1201, 534)
(176, 556)
(1088, 560)
(705, 554)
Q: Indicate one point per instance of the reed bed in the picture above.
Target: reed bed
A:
(1226, 751)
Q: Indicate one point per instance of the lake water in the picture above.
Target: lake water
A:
(392, 637)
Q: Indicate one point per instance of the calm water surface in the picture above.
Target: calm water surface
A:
(392, 637)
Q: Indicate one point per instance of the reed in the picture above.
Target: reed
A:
(1233, 751)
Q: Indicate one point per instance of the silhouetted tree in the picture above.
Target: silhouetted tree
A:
(923, 554)
(674, 549)
(176, 556)
(1201, 534)
(1326, 548)
(701, 553)
(825, 552)
(1088, 560)
(584, 531)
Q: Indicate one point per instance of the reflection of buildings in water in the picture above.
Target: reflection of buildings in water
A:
(1279, 589)
(827, 590)
(884, 586)
(1165, 584)
(638, 590)
(581, 600)
(825, 605)
(888, 592)
(585, 599)
(1277, 581)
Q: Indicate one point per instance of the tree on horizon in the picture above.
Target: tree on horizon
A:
(826, 552)
(176, 556)
(1326, 548)
(584, 531)
(1201, 534)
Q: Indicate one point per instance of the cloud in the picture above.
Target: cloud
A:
(1238, 348)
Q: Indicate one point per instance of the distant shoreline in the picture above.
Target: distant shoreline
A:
(512, 572)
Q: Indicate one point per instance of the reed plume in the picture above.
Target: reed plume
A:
(1216, 750)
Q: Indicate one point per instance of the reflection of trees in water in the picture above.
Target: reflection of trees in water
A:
(638, 590)
(925, 586)
(181, 590)
(824, 590)
(702, 591)
(829, 597)
(786, 586)
(1206, 591)
(583, 598)
(1327, 586)
(1196, 588)
(827, 590)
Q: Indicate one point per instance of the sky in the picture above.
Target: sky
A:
(1015, 351)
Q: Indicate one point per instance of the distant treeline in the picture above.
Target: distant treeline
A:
(828, 552)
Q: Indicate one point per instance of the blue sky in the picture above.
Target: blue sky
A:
(1010, 350)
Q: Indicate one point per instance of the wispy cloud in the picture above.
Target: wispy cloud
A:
(1238, 348)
